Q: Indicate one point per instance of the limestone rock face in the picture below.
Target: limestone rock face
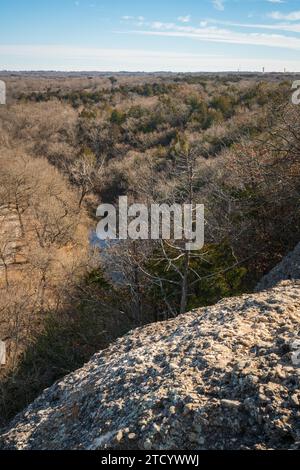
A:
(288, 269)
(223, 377)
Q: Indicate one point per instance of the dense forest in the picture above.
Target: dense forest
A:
(69, 143)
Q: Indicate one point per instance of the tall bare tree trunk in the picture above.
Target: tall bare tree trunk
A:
(184, 286)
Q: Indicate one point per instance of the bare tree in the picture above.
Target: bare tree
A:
(85, 172)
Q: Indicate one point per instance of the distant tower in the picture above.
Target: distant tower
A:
(263, 70)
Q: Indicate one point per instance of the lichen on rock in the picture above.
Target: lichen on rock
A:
(220, 377)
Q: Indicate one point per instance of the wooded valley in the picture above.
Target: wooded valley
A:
(71, 142)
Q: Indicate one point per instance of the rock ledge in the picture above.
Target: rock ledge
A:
(223, 377)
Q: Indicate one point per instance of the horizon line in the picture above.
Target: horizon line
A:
(266, 72)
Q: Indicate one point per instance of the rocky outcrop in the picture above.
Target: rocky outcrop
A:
(223, 377)
(289, 268)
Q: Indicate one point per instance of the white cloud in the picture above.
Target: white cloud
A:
(161, 25)
(139, 20)
(218, 4)
(214, 34)
(293, 16)
(287, 27)
(275, 1)
(184, 19)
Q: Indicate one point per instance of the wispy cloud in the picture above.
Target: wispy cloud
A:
(287, 27)
(184, 19)
(218, 4)
(131, 18)
(215, 34)
(293, 16)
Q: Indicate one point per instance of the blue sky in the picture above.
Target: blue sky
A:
(190, 35)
